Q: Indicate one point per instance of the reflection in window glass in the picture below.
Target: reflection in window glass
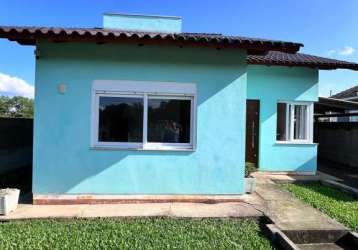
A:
(169, 120)
(120, 119)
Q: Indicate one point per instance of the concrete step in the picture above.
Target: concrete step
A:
(312, 239)
(319, 246)
(314, 236)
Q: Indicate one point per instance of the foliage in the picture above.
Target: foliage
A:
(335, 203)
(249, 168)
(142, 233)
(17, 106)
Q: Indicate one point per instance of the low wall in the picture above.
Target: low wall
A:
(338, 142)
(15, 144)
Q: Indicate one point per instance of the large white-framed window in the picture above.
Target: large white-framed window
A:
(143, 115)
(294, 122)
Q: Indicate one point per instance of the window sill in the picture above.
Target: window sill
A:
(112, 148)
(294, 143)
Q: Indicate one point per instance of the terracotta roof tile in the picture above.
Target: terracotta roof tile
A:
(29, 35)
(300, 60)
(280, 52)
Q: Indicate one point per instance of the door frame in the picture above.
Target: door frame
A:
(257, 130)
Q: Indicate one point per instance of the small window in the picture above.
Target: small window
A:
(294, 122)
(139, 115)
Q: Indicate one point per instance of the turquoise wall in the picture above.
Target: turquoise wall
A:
(63, 159)
(269, 85)
(142, 22)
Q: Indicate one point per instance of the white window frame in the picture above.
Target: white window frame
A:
(145, 90)
(290, 109)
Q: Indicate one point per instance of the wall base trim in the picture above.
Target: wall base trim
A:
(122, 199)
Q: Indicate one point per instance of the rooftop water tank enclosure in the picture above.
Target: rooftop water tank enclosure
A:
(148, 23)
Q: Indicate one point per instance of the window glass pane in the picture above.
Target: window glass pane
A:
(300, 122)
(120, 119)
(281, 122)
(169, 120)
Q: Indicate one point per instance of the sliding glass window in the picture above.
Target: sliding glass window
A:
(144, 121)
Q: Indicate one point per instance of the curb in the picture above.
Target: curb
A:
(340, 186)
(279, 238)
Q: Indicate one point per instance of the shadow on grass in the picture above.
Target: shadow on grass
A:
(329, 192)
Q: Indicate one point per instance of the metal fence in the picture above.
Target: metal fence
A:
(338, 142)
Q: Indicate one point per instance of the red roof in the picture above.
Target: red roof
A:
(300, 60)
(29, 36)
(280, 53)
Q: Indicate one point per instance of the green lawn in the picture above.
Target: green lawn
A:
(335, 203)
(144, 233)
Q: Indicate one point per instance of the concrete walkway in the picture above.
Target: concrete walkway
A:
(251, 206)
(286, 211)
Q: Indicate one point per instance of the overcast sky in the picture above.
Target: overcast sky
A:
(327, 28)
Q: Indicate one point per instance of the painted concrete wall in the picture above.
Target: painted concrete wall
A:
(273, 84)
(142, 23)
(63, 160)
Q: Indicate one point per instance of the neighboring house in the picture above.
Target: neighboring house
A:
(139, 107)
(347, 95)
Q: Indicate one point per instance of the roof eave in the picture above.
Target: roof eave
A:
(25, 37)
(307, 65)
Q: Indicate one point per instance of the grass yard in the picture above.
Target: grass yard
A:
(335, 203)
(143, 233)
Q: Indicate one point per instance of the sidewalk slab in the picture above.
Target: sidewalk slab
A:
(283, 177)
(251, 206)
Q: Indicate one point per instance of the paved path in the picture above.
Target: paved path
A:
(250, 207)
(289, 213)
(304, 225)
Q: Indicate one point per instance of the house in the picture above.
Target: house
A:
(140, 109)
(350, 95)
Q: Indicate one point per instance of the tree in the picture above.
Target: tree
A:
(17, 106)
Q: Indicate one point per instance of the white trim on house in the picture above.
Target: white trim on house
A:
(148, 87)
(145, 90)
(290, 116)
